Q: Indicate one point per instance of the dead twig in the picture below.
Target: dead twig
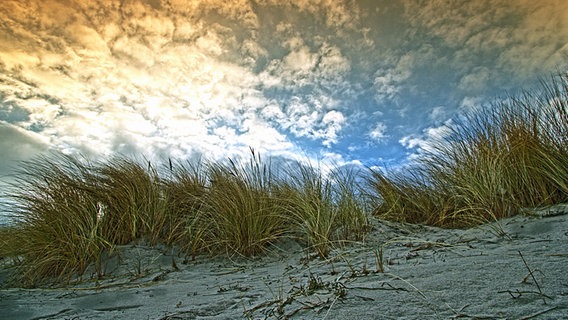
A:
(533, 277)
(538, 313)
(460, 314)
(410, 284)
(389, 287)
(558, 255)
(517, 293)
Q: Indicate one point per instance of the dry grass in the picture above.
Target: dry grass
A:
(323, 209)
(497, 160)
(185, 189)
(69, 212)
(238, 213)
(131, 202)
(56, 218)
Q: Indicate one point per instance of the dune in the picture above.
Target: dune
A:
(515, 268)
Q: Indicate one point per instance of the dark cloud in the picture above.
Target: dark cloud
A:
(17, 145)
(11, 112)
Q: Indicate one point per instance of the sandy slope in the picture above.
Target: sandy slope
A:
(429, 273)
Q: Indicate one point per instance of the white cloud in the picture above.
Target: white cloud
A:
(325, 67)
(470, 103)
(388, 82)
(210, 44)
(438, 114)
(272, 112)
(313, 116)
(378, 132)
(262, 136)
(476, 80)
(144, 90)
(213, 91)
(332, 122)
(209, 76)
(428, 140)
(252, 51)
(300, 59)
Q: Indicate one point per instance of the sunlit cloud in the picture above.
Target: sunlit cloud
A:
(328, 79)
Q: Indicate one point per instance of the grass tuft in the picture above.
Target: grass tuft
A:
(68, 212)
(498, 159)
(56, 217)
(322, 209)
(238, 213)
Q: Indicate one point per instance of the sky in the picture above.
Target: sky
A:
(367, 82)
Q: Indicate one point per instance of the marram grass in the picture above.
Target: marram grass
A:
(56, 220)
(323, 210)
(498, 159)
(238, 213)
(69, 212)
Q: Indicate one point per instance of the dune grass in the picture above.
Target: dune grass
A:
(56, 219)
(237, 213)
(185, 189)
(323, 210)
(69, 212)
(131, 202)
(496, 160)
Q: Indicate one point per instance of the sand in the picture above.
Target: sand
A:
(512, 269)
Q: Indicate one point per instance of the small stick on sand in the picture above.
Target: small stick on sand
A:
(537, 314)
(532, 276)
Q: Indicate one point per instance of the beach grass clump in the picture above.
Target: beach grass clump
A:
(305, 196)
(131, 202)
(494, 161)
(406, 196)
(352, 205)
(68, 213)
(56, 217)
(323, 209)
(8, 248)
(184, 186)
(238, 213)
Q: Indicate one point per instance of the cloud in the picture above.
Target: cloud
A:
(431, 137)
(18, 145)
(239, 10)
(307, 74)
(262, 136)
(438, 113)
(300, 59)
(210, 76)
(476, 80)
(308, 117)
(389, 82)
(325, 67)
(252, 51)
(378, 132)
(332, 122)
(148, 76)
(337, 14)
(528, 35)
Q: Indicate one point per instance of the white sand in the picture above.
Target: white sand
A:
(429, 273)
